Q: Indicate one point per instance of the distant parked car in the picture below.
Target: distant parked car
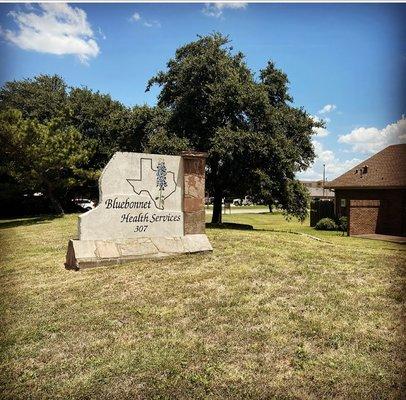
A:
(86, 204)
(237, 202)
(36, 194)
(247, 201)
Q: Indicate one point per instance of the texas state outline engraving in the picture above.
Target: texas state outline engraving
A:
(164, 182)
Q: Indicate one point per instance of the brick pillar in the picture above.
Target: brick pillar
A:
(363, 217)
(193, 192)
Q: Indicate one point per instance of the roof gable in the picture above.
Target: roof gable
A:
(383, 170)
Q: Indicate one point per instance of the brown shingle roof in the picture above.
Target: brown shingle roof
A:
(385, 169)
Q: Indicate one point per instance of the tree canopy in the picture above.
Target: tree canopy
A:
(255, 140)
(100, 125)
(47, 157)
(41, 98)
(209, 101)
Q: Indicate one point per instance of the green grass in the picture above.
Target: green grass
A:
(277, 222)
(266, 315)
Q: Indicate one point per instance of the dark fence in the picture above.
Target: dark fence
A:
(321, 209)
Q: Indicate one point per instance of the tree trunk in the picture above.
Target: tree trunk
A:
(218, 197)
(56, 205)
(270, 207)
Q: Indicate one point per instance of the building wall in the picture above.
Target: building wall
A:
(373, 210)
(363, 217)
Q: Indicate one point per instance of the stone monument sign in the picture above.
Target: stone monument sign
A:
(149, 206)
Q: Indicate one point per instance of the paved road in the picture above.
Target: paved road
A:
(241, 211)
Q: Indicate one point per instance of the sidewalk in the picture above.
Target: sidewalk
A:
(247, 210)
(386, 238)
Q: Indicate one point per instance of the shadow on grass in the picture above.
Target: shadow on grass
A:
(27, 221)
(229, 225)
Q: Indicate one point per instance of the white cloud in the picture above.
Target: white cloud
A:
(327, 109)
(216, 9)
(54, 28)
(152, 24)
(321, 132)
(339, 167)
(334, 166)
(363, 140)
(136, 17)
(372, 140)
(323, 119)
(322, 154)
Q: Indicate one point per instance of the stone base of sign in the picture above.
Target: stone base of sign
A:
(93, 253)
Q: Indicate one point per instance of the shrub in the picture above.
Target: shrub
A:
(343, 224)
(326, 224)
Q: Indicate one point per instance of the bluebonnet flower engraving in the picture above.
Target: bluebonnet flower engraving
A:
(161, 181)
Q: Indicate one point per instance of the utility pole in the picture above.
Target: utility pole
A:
(324, 177)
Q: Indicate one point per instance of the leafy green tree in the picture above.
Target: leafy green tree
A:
(255, 140)
(107, 122)
(276, 83)
(48, 157)
(147, 132)
(43, 97)
(141, 122)
(163, 142)
(100, 118)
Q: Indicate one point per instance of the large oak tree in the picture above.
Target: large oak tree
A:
(255, 140)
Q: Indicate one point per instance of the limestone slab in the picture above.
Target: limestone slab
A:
(140, 247)
(169, 245)
(86, 247)
(196, 243)
(106, 249)
(80, 257)
(140, 196)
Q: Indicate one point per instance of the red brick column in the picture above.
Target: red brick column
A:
(193, 192)
(363, 217)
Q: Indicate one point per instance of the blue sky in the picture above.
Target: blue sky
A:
(346, 62)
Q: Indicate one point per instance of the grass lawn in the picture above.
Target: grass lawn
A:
(278, 223)
(266, 315)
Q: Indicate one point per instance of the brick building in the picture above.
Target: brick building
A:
(373, 194)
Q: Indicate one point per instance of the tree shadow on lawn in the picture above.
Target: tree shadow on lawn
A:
(229, 225)
(27, 221)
